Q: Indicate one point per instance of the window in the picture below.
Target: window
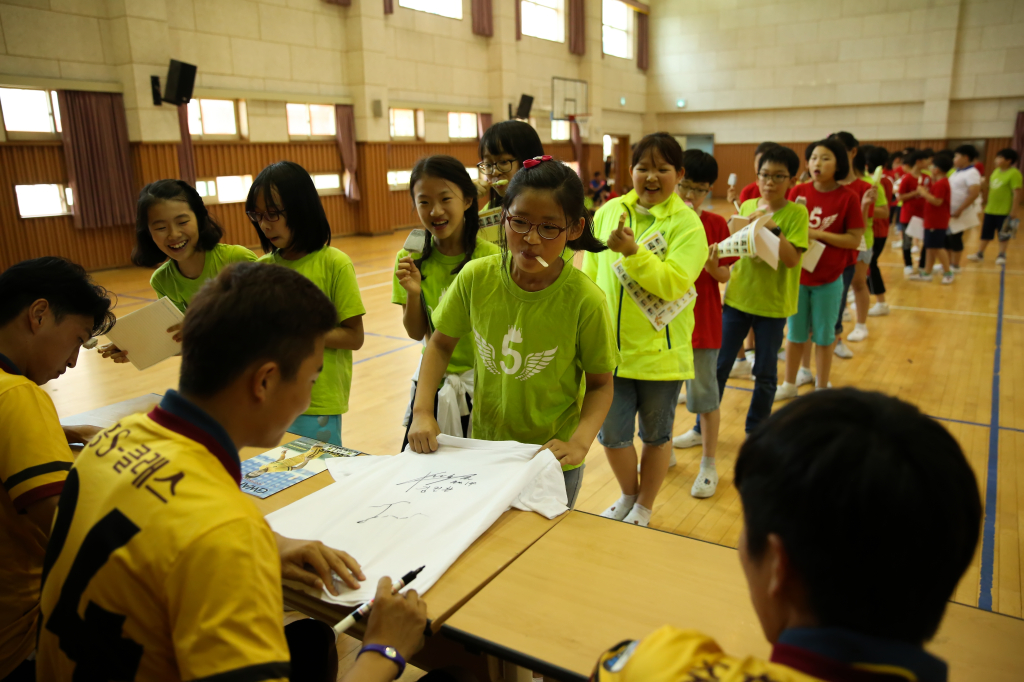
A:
(606, 142)
(399, 180)
(560, 130)
(407, 124)
(446, 8)
(212, 117)
(474, 172)
(36, 201)
(462, 125)
(30, 113)
(225, 189)
(327, 183)
(544, 19)
(311, 120)
(616, 18)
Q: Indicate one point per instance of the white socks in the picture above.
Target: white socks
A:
(707, 467)
(639, 515)
(620, 509)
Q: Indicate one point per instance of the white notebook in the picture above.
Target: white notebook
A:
(143, 333)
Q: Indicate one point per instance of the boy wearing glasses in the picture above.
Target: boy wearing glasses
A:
(759, 297)
(700, 170)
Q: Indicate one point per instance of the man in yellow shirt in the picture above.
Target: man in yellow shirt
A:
(860, 516)
(159, 567)
(48, 309)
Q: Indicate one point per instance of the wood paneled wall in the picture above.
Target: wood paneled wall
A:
(993, 145)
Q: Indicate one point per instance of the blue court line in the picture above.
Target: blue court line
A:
(387, 352)
(988, 534)
(385, 336)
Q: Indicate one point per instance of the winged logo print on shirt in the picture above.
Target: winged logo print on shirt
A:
(827, 222)
(535, 362)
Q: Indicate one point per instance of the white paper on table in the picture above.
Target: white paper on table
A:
(915, 228)
(411, 510)
(143, 333)
(812, 255)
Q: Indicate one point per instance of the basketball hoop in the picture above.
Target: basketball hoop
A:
(584, 124)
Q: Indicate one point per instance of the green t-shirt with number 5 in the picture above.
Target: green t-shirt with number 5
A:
(532, 348)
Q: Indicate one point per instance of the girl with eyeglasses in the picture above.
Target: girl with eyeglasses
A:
(174, 230)
(543, 344)
(656, 349)
(284, 207)
(445, 200)
(503, 148)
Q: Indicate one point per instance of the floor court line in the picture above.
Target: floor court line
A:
(374, 272)
(964, 270)
(376, 286)
(385, 336)
(387, 352)
(988, 535)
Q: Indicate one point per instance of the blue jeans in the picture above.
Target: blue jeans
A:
(767, 342)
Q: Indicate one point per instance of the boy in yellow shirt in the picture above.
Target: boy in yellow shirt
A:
(860, 516)
(159, 567)
(48, 309)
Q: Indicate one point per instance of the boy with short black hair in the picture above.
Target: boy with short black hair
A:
(936, 220)
(916, 165)
(180, 573)
(700, 172)
(751, 191)
(847, 585)
(48, 308)
(1005, 197)
(964, 188)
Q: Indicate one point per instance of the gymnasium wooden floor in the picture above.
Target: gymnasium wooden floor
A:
(938, 349)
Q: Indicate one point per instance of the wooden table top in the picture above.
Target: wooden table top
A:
(593, 582)
(109, 415)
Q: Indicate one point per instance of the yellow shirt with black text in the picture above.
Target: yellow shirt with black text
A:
(162, 569)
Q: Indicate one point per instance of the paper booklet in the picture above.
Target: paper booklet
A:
(657, 310)
(490, 225)
(143, 333)
(291, 463)
(812, 255)
(915, 228)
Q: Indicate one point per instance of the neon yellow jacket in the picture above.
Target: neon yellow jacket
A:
(646, 353)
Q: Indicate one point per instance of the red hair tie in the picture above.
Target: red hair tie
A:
(535, 161)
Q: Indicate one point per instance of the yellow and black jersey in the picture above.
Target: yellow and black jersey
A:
(34, 461)
(159, 567)
(801, 655)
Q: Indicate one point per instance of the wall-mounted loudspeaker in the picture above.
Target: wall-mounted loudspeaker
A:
(181, 77)
(525, 104)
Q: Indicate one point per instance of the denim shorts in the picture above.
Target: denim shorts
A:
(325, 427)
(702, 389)
(865, 257)
(653, 401)
(816, 312)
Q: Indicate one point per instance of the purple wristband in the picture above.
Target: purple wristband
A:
(388, 652)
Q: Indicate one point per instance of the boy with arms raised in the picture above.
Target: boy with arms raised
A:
(159, 567)
(860, 516)
(48, 309)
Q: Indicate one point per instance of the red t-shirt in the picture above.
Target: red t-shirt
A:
(838, 212)
(707, 311)
(981, 167)
(937, 217)
(751, 191)
(911, 207)
(880, 226)
(859, 187)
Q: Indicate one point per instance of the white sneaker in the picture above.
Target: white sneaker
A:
(859, 333)
(847, 317)
(682, 398)
(785, 391)
(705, 484)
(782, 355)
(897, 245)
(955, 269)
(638, 516)
(621, 507)
(937, 267)
(690, 439)
(919, 277)
(741, 369)
(915, 249)
(804, 377)
(908, 270)
(850, 298)
(947, 278)
(842, 351)
(975, 257)
(816, 388)
(1000, 259)
(878, 309)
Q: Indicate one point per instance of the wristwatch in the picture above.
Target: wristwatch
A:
(388, 652)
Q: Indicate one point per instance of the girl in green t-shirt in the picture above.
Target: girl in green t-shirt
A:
(174, 230)
(503, 149)
(543, 344)
(445, 200)
(285, 209)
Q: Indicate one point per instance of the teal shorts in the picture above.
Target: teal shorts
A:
(325, 427)
(816, 314)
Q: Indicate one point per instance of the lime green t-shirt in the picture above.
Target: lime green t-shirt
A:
(1001, 184)
(880, 202)
(753, 286)
(437, 274)
(647, 353)
(333, 273)
(167, 280)
(532, 348)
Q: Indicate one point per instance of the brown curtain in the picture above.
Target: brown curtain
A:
(1018, 138)
(643, 58)
(483, 18)
(483, 122)
(577, 27)
(346, 136)
(186, 156)
(98, 157)
(341, 3)
(519, 19)
(389, 7)
(577, 142)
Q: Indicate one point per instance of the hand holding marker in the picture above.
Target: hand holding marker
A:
(364, 609)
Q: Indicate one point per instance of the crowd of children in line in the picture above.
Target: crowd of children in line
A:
(142, 559)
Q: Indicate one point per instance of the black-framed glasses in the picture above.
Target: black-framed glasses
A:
(499, 168)
(687, 188)
(521, 225)
(777, 178)
(259, 216)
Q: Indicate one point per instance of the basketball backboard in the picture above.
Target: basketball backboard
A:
(568, 97)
